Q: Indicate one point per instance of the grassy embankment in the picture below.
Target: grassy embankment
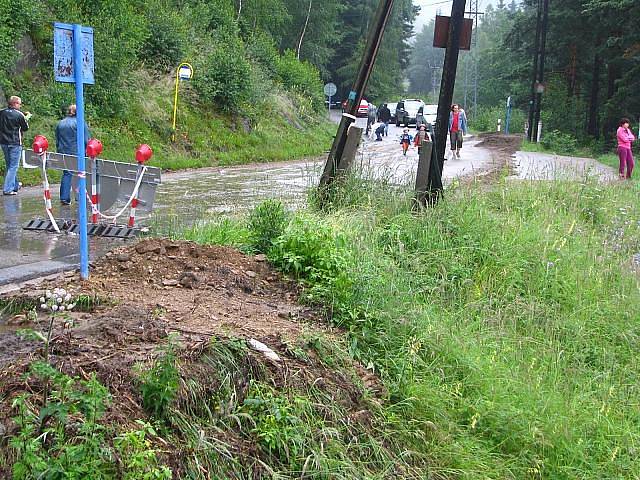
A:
(283, 131)
(504, 323)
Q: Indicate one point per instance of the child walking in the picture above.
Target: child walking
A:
(405, 141)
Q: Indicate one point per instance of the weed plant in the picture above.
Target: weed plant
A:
(65, 437)
(504, 322)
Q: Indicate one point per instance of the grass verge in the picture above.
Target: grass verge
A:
(504, 323)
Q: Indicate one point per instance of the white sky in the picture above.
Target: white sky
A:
(429, 8)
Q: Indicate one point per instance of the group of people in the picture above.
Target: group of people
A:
(457, 129)
(13, 124)
(378, 121)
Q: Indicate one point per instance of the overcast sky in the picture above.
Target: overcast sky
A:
(429, 9)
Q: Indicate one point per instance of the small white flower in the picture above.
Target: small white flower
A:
(43, 306)
(71, 306)
(54, 307)
(67, 297)
(61, 309)
(48, 294)
(42, 300)
(59, 299)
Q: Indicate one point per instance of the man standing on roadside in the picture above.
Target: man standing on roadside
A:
(67, 143)
(12, 124)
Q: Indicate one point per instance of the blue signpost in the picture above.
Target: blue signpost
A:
(73, 63)
(508, 119)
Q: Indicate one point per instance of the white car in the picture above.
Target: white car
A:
(407, 111)
(428, 115)
(392, 108)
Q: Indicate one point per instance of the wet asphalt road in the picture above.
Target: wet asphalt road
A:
(187, 196)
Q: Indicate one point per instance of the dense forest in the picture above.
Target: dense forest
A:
(592, 67)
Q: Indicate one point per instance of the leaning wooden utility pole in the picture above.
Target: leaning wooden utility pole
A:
(447, 85)
(355, 95)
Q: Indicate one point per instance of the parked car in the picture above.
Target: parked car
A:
(427, 115)
(392, 108)
(407, 111)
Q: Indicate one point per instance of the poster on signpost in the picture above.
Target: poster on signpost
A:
(63, 54)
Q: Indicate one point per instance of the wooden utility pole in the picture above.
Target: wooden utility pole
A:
(447, 85)
(357, 90)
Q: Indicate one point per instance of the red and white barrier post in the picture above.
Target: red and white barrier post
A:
(94, 148)
(40, 146)
(143, 153)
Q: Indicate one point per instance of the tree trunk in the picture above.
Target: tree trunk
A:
(592, 123)
(304, 30)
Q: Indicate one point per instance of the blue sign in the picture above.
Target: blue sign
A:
(63, 67)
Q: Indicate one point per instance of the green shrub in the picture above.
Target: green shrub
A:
(166, 43)
(224, 76)
(300, 76)
(159, 384)
(485, 119)
(559, 142)
(267, 222)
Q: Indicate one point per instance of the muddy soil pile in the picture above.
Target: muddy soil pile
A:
(156, 288)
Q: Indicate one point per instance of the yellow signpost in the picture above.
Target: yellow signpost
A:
(183, 72)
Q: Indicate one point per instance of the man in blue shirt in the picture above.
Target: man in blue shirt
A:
(67, 142)
(12, 123)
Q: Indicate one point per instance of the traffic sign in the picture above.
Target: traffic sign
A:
(63, 67)
(185, 72)
(330, 89)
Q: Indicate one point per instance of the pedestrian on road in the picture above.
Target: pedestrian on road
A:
(384, 116)
(405, 141)
(625, 137)
(67, 143)
(371, 116)
(457, 128)
(421, 137)
(12, 125)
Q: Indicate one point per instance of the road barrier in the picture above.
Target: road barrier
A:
(111, 182)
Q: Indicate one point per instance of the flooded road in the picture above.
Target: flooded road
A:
(189, 195)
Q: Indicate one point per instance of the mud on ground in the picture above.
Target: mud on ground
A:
(502, 148)
(159, 287)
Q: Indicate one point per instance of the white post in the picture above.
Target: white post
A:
(539, 131)
(499, 125)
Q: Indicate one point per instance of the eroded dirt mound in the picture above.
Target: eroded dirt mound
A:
(204, 294)
(499, 142)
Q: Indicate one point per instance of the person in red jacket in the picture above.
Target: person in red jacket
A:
(625, 137)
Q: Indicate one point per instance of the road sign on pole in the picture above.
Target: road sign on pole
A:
(63, 53)
(330, 90)
(73, 62)
(183, 72)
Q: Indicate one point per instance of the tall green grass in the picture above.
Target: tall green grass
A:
(505, 322)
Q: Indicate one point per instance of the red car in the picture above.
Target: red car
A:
(363, 108)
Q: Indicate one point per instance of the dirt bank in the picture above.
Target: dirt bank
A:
(145, 292)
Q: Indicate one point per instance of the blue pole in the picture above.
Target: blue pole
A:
(508, 119)
(82, 181)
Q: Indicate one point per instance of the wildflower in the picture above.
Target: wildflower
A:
(42, 300)
(43, 306)
(54, 308)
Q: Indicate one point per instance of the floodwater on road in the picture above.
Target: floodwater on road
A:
(187, 196)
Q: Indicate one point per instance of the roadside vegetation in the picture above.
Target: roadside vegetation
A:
(503, 323)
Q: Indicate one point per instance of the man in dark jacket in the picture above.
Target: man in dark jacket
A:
(12, 123)
(67, 143)
(384, 116)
